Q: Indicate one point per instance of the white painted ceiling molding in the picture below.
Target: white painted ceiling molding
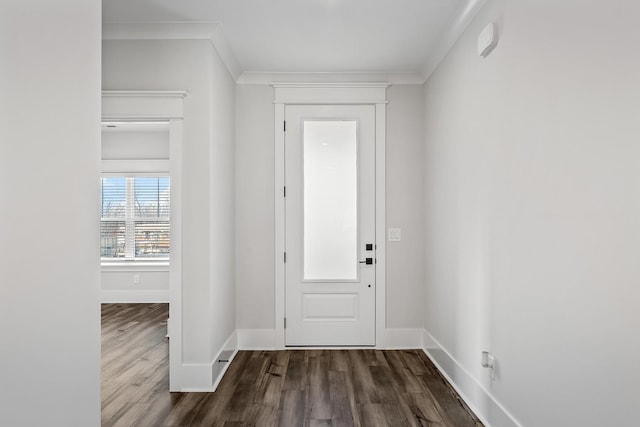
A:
(185, 30)
(448, 39)
(212, 30)
(257, 78)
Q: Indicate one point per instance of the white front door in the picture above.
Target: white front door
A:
(330, 225)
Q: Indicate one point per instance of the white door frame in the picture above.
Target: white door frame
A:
(330, 94)
(165, 106)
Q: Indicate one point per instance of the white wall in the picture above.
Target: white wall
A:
(208, 177)
(255, 207)
(255, 214)
(49, 249)
(405, 207)
(135, 144)
(118, 284)
(532, 210)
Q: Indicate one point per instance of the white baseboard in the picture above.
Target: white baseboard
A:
(205, 377)
(479, 400)
(265, 339)
(134, 296)
(194, 377)
(223, 359)
(401, 339)
(257, 339)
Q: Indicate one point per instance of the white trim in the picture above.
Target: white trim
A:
(219, 366)
(266, 78)
(213, 31)
(108, 296)
(125, 105)
(225, 52)
(120, 105)
(135, 167)
(133, 266)
(194, 377)
(330, 93)
(463, 17)
(279, 227)
(328, 85)
(488, 409)
(143, 94)
(205, 377)
(176, 30)
(381, 221)
(330, 102)
(258, 339)
(175, 270)
(372, 93)
(266, 339)
(217, 377)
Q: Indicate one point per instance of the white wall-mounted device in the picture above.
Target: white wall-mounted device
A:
(489, 362)
(394, 234)
(488, 40)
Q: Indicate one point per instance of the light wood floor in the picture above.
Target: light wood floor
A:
(293, 388)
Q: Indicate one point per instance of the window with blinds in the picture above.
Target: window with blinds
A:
(135, 223)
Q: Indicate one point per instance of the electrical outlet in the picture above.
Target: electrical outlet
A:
(136, 279)
(489, 362)
(492, 366)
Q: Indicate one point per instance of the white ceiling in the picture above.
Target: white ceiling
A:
(318, 36)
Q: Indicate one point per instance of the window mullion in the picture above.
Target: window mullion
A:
(130, 238)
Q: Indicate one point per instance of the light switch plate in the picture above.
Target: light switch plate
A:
(394, 234)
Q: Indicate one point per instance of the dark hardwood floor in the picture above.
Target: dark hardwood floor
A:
(305, 388)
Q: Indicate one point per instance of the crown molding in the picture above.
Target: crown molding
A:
(175, 30)
(462, 18)
(331, 85)
(350, 78)
(212, 31)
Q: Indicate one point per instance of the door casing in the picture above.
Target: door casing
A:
(329, 94)
(165, 106)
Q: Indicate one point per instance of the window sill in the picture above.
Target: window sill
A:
(134, 266)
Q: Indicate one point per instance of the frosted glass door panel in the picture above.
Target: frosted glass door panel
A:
(330, 200)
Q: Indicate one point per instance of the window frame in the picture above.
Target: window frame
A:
(130, 221)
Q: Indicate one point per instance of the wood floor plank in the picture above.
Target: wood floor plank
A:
(342, 407)
(360, 375)
(288, 388)
(292, 408)
(373, 414)
(319, 399)
(402, 374)
(423, 410)
(449, 405)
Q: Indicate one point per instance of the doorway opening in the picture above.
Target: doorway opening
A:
(142, 156)
(135, 254)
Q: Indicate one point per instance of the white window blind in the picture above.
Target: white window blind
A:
(135, 223)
